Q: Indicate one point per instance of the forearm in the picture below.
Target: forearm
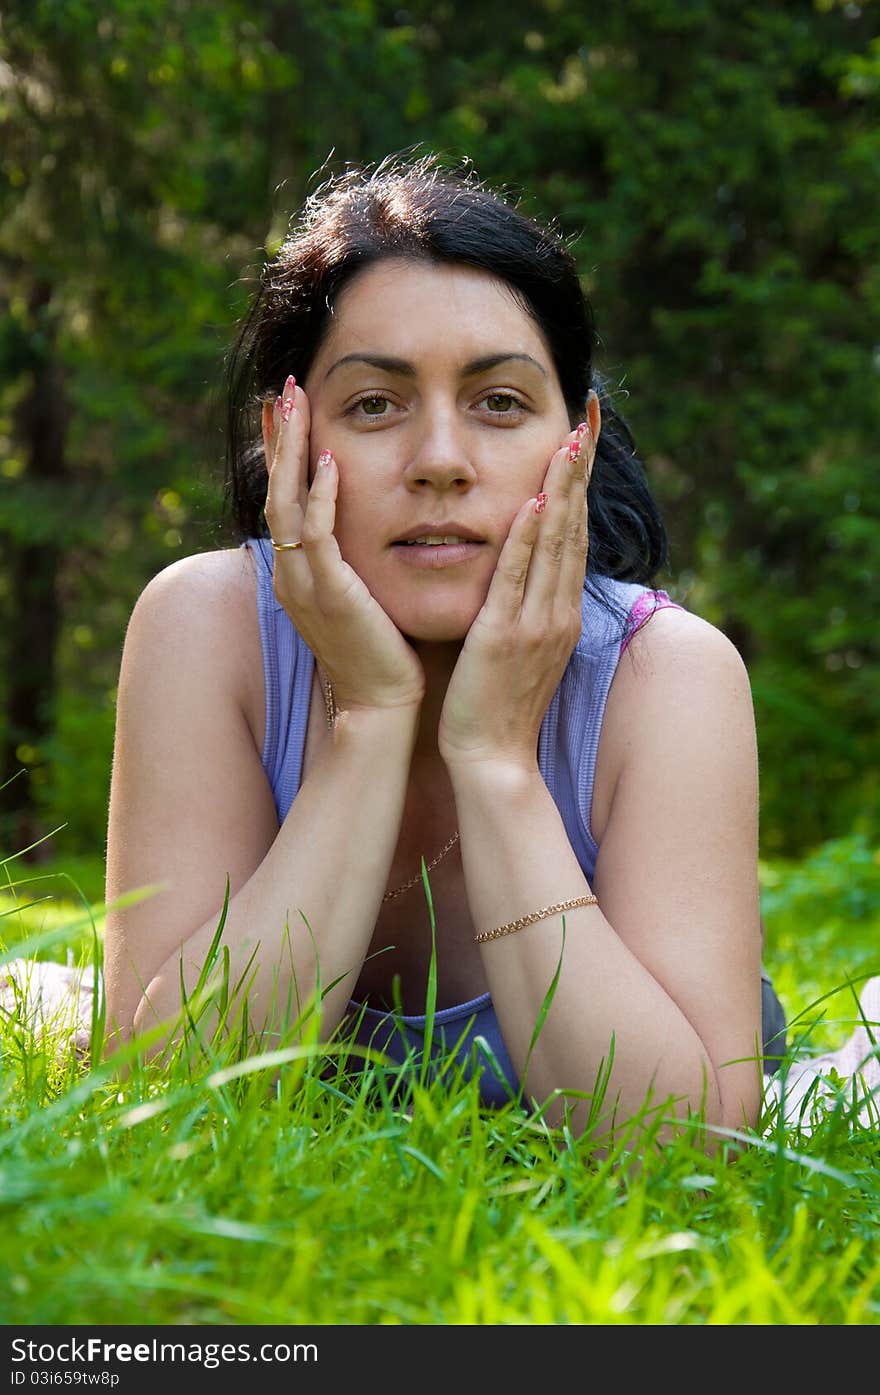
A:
(328, 866)
(517, 859)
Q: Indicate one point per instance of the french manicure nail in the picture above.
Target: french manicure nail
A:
(541, 503)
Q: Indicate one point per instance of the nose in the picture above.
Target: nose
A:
(440, 451)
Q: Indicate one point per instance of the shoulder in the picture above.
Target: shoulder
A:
(201, 611)
(652, 649)
(675, 668)
(199, 595)
(226, 576)
(676, 646)
(679, 684)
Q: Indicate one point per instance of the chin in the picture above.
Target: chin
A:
(426, 636)
(448, 625)
(433, 631)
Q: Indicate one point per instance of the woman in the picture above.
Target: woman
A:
(432, 643)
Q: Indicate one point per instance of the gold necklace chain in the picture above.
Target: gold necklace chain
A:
(390, 895)
(331, 709)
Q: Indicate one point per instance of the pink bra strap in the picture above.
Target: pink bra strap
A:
(644, 608)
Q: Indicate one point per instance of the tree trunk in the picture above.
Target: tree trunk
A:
(32, 567)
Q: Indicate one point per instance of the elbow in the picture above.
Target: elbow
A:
(730, 1103)
(132, 1027)
(118, 1031)
(734, 1121)
(119, 1012)
(153, 1032)
(122, 995)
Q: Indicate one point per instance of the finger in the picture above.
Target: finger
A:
(574, 558)
(274, 419)
(562, 482)
(507, 587)
(302, 409)
(292, 423)
(320, 548)
(287, 491)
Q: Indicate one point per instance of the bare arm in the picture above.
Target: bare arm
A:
(190, 805)
(668, 962)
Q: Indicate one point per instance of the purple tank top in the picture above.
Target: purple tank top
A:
(567, 747)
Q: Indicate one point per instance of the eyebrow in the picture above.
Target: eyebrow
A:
(407, 370)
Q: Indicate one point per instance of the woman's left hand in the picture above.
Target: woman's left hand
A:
(517, 649)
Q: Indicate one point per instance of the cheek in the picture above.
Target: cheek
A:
(344, 525)
(524, 482)
(362, 525)
(530, 458)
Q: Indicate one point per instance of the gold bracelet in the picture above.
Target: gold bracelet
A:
(512, 925)
(330, 704)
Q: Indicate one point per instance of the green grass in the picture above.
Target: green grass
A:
(213, 1188)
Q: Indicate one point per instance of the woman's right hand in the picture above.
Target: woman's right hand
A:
(361, 650)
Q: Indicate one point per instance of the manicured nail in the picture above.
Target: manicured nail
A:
(574, 450)
(583, 428)
(541, 503)
(286, 408)
(324, 459)
(289, 386)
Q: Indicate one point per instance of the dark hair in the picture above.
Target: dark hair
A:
(419, 209)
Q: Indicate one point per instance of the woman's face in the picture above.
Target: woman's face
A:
(438, 397)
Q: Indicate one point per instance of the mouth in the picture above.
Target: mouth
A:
(438, 532)
(432, 554)
(438, 542)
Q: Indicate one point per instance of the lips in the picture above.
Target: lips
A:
(449, 541)
(434, 557)
(434, 529)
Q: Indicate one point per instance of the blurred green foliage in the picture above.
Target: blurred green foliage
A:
(715, 166)
(821, 918)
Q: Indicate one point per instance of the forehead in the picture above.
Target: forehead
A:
(408, 308)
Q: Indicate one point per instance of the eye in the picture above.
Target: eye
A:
(373, 405)
(510, 405)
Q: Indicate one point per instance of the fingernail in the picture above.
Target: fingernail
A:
(289, 386)
(286, 408)
(541, 503)
(277, 404)
(574, 450)
(583, 428)
(324, 459)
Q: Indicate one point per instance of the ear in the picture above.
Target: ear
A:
(267, 423)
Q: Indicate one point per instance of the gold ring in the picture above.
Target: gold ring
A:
(285, 547)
